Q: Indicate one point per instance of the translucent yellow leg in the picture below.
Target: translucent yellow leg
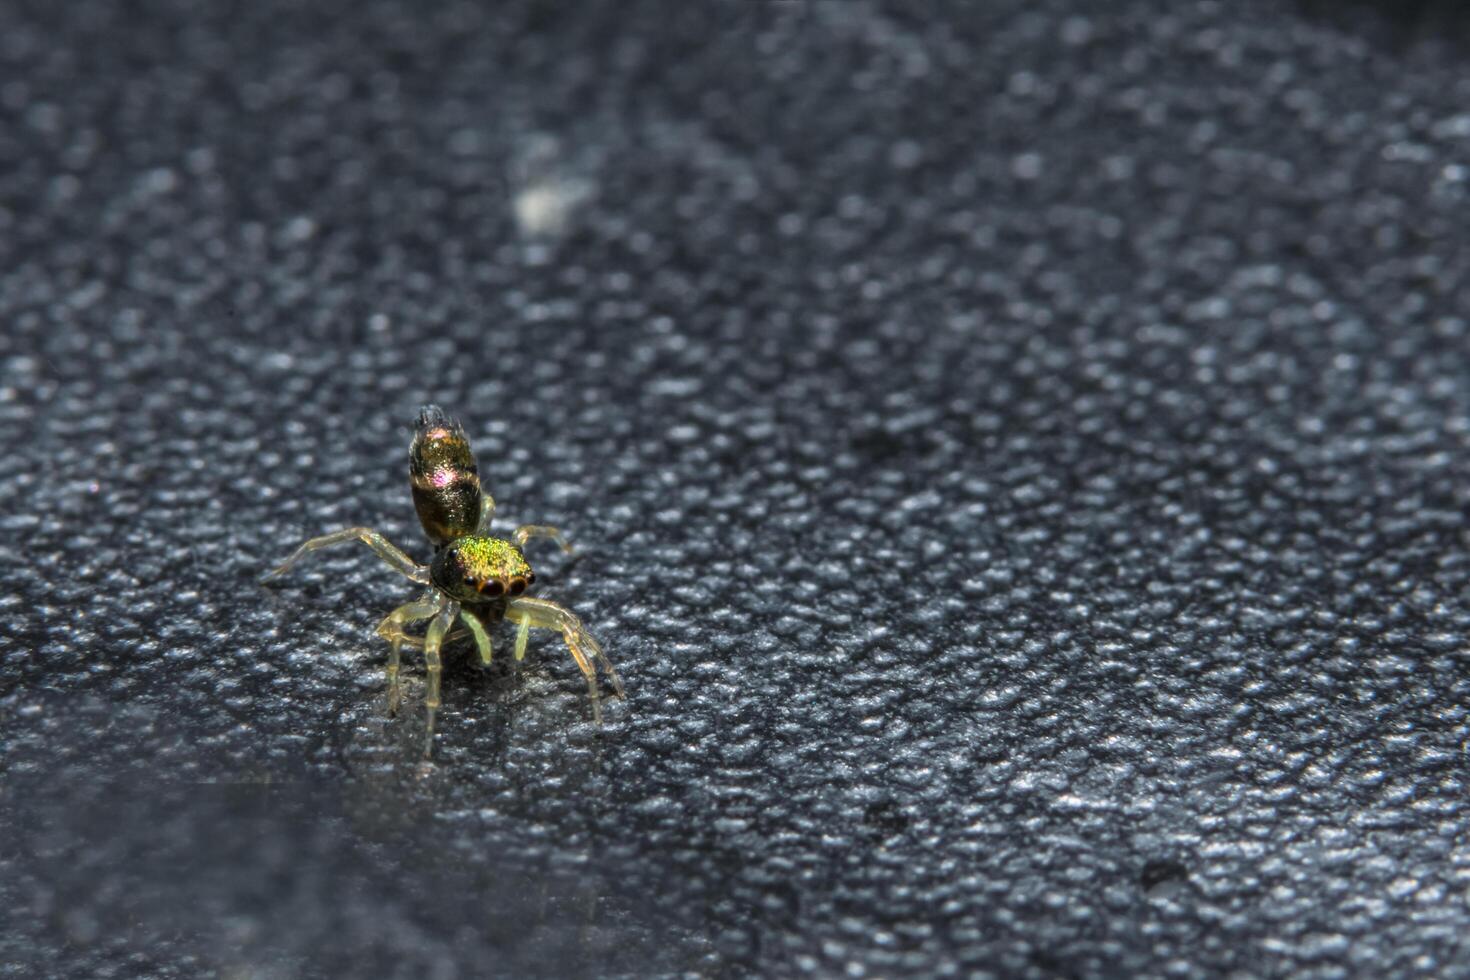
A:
(487, 511)
(437, 628)
(391, 629)
(526, 532)
(384, 548)
(584, 649)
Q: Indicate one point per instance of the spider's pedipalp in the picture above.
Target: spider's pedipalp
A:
(477, 630)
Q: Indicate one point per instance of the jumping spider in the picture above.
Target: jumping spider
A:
(472, 576)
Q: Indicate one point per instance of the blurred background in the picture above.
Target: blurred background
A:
(1017, 455)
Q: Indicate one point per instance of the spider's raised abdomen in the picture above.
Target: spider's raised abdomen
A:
(445, 479)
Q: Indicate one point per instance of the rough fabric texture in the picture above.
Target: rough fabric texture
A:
(1018, 457)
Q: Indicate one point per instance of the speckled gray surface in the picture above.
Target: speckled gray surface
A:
(1018, 459)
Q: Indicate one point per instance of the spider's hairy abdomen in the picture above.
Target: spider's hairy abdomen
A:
(445, 479)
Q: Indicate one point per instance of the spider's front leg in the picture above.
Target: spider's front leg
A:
(586, 651)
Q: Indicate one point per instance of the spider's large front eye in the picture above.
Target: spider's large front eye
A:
(493, 589)
(517, 586)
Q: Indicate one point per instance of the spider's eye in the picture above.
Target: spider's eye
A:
(531, 579)
(470, 581)
(517, 587)
(493, 588)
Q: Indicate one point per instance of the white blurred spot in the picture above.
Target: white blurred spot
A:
(545, 208)
(546, 195)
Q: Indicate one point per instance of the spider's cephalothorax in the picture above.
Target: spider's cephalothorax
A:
(476, 568)
(474, 577)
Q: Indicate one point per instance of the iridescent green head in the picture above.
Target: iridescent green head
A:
(475, 568)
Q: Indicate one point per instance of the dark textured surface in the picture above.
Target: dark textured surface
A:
(1018, 459)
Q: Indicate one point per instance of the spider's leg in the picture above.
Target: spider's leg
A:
(526, 532)
(432, 640)
(384, 548)
(584, 649)
(391, 629)
(417, 642)
(487, 511)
